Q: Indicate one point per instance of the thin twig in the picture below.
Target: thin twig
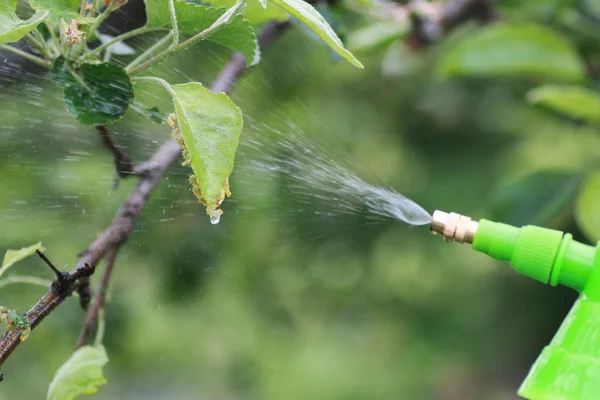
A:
(28, 56)
(120, 38)
(60, 289)
(123, 162)
(99, 299)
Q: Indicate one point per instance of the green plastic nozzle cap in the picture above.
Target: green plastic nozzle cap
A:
(531, 249)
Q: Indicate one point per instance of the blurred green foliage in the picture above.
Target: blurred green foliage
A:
(277, 302)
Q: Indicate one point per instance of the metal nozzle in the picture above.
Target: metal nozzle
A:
(454, 227)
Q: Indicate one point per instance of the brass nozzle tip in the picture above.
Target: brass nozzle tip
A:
(453, 227)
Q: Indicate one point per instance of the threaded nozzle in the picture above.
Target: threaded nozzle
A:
(453, 227)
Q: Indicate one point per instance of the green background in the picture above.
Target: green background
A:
(277, 301)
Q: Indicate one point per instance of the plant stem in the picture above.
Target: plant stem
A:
(36, 43)
(124, 36)
(94, 6)
(101, 327)
(99, 299)
(157, 80)
(98, 21)
(49, 53)
(173, 25)
(57, 43)
(30, 57)
(149, 51)
(223, 20)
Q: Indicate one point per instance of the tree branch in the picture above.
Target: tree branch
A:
(121, 226)
(60, 289)
(123, 162)
(99, 300)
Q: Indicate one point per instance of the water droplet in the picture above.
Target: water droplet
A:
(214, 214)
(215, 218)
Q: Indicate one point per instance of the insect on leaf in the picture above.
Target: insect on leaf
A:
(207, 126)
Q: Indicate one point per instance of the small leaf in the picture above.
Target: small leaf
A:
(81, 374)
(61, 9)
(210, 126)
(587, 211)
(376, 36)
(13, 256)
(13, 28)
(154, 114)
(101, 95)
(574, 101)
(536, 198)
(503, 49)
(254, 11)
(192, 19)
(311, 17)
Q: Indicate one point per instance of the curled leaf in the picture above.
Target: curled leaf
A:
(210, 126)
(13, 28)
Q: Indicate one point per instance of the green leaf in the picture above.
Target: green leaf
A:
(574, 101)
(587, 210)
(210, 126)
(60, 72)
(14, 256)
(154, 114)
(13, 28)
(254, 11)
(192, 19)
(61, 9)
(536, 198)
(207, 126)
(311, 17)
(504, 49)
(100, 96)
(81, 374)
(376, 36)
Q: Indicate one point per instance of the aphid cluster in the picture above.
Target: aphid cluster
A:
(213, 212)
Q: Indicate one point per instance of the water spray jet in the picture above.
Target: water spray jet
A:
(569, 367)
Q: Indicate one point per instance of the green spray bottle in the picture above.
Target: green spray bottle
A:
(569, 367)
